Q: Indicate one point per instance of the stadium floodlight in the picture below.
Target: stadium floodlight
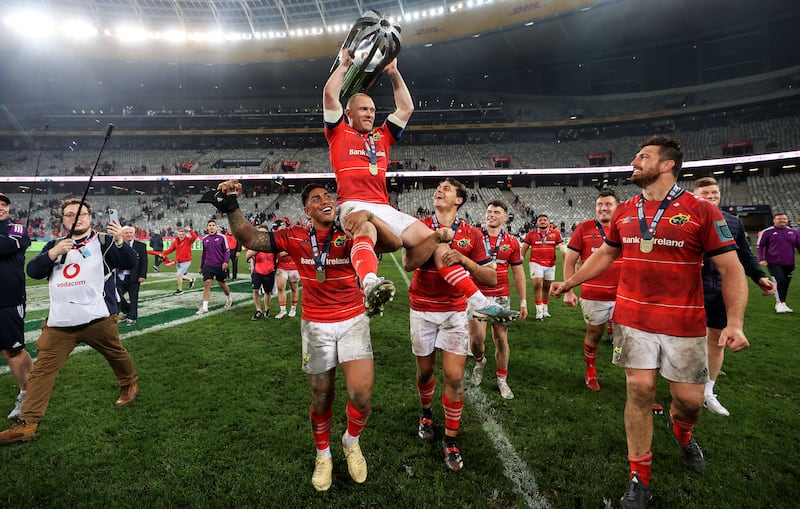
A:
(31, 24)
(131, 34)
(78, 29)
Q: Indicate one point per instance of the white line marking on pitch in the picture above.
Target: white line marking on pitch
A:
(514, 467)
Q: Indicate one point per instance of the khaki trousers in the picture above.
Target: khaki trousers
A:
(56, 343)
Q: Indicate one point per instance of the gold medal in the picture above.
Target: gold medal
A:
(373, 169)
(646, 245)
(321, 275)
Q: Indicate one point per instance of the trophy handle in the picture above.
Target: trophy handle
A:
(378, 32)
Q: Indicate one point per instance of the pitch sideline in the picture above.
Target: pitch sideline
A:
(514, 467)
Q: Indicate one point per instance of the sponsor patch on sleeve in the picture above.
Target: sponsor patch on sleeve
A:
(723, 231)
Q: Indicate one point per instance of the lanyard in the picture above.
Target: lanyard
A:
(320, 257)
(369, 143)
(544, 237)
(487, 244)
(600, 229)
(454, 227)
(649, 233)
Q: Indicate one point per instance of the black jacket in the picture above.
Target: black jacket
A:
(712, 282)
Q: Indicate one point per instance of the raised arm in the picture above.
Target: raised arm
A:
(333, 87)
(403, 102)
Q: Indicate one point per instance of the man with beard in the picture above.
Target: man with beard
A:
(83, 309)
(597, 295)
(661, 236)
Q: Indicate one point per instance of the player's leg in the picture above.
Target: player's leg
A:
(355, 355)
(222, 276)
(319, 361)
(477, 345)
(502, 354)
(294, 288)
(423, 341)
(281, 279)
(684, 362)
(549, 275)
(453, 340)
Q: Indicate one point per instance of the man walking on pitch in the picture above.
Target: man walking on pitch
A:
(598, 294)
(661, 236)
(505, 252)
(83, 309)
(708, 189)
(182, 245)
(776, 247)
(214, 265)
(262, 277)
(334, 329)
(14, 242)
(157, 244)
(439, 315)
(129, 281)
(543, 241)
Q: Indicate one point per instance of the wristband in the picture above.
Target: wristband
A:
(523, 303)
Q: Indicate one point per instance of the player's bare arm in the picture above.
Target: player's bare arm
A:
(242, 229)
(333, 87)
(767, 286)
(421, 252)
(404, 104)
(571, 259)
(593, 267)
(521, 285)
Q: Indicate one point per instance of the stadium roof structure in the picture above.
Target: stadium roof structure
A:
(545, 47)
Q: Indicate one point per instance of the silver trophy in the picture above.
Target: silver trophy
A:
(373, 42)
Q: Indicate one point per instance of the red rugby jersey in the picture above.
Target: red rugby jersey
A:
(662, 291)
(508, 253)
(339, 297)
(543, 245)
(349, 156)
(429, 291)
(586, 239)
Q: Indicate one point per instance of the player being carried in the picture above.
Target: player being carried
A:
(359, 154)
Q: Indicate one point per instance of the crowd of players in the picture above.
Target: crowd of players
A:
(666, 268)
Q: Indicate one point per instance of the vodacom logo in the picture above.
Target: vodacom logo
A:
(72, 270)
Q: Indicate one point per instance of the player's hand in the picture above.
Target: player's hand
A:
(224, 197)
(767, 286)
(390, 67)
(523, 313)
(734, 338)
(230, 187)
(763, 263)
(445, 235)
(224, 265)
(451, 257)
(570, 299)
(345, 60)
(354, 220)
(557, 289)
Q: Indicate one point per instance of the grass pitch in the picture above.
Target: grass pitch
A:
(222, 421)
